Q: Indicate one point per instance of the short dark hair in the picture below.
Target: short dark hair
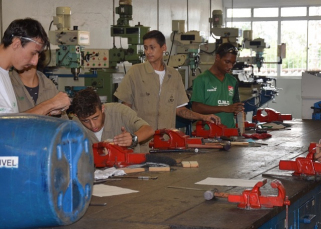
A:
(225, 48)
(28, 28)
(86, 102)
(158, 35)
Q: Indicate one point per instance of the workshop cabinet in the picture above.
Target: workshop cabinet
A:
(318, 207)
(305, 213)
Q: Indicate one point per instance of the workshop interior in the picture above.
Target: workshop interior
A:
(261, 174)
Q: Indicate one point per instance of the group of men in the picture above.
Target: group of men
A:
(152, 93)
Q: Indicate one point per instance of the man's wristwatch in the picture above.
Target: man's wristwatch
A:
(134, 141)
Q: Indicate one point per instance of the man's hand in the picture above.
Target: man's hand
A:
(54, 106)
(317, 155)
(212, 118)
(123, 139)
(234, 108)
(61, 103)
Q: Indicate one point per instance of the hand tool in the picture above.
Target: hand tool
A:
(233, 143)
(212, 130)
(120, 177)
(224, 146)
(194, 150)
(211, 194)
(303, 166)
(252, 199)
(208, 194)
(104, 180)
(169, 139)
(97, 204)
(173, 150)
(108, 154)
(271, 116)
(186, 188)
(140, 177)
(249, 144)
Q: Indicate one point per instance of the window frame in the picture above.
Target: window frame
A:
(279, 19)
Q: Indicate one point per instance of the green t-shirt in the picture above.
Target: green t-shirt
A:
(209, 90)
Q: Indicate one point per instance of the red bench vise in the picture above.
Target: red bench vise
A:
(107, 154)
(271, 116)
(252, 199)
(213, 130)
(175, 139)
(303, 166)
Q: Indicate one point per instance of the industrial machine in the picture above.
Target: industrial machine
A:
(255, 91)
(187, 47)
(105, 63)
(134, 35)
(226, 35)
(70, 42)
(96, 68)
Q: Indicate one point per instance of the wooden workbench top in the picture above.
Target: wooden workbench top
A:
(156, 206)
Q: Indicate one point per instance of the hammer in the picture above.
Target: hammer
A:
(224, 146)
(211, 194)
(208, 194)
(194, 148)
(173, 150)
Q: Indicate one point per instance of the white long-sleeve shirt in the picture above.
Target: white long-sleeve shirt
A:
(8, 102)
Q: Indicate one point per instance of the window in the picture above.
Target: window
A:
(243, 26)
(298, 27)
(293, 11)
(294, 34)
(239, 13)
(265, 12)
(315, 11)
(267, 30)
(314, 45)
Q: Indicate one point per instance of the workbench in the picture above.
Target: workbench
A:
(155, 206)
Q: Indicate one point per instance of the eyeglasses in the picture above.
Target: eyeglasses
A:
(29, 39)
(32, 40)
(232, 50)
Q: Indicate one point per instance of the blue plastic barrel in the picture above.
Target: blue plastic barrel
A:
(46, 171)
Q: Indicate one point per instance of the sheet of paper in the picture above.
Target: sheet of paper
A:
(108, 190)
(228, 182)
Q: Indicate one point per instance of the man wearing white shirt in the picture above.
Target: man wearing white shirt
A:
(22, 42)
(156, 91)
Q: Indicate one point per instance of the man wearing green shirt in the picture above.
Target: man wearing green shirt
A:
(215, 91)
